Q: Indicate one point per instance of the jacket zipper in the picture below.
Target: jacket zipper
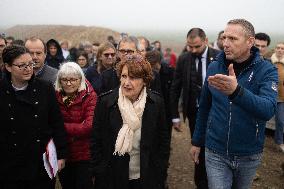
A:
(228, 135)
(256, 133)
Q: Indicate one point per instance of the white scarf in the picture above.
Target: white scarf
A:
(131, 114)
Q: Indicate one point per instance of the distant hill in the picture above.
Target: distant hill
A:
(75, 34)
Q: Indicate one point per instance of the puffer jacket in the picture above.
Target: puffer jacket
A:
(78, 121)
(236, 126)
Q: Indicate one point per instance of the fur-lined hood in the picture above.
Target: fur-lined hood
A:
(275, 60)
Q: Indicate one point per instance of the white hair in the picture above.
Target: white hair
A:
(69, 69)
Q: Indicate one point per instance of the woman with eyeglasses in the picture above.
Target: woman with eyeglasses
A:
(82, 60)
(30, 118)
(77, 101)
(106, 59)
(130, 140)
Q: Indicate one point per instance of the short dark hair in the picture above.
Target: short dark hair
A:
(82, 53)
(196, 32)
(12, 52)
(153, 57)
(18, 42)
(263, 37)
(220, 33)
(10, 38)
(96, 44)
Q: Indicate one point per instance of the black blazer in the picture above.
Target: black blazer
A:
(181, 82)
(112, 171)
(28, 120)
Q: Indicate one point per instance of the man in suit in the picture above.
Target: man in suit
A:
(189, 77)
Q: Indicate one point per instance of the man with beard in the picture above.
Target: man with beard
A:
(189, 77)
(37, 50)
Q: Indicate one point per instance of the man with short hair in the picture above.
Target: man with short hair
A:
(238, 97)
(37, 50)
(126, 46)
(9, 40)
(191, 68)
(262, 41)
(278, 60)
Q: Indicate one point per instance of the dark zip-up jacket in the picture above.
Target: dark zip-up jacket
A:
(236, 126)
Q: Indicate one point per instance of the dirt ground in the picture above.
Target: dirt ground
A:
(270, 174)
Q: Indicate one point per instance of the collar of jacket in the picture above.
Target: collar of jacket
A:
(81, 95)
(254, 52)
(28, 96)
(8, 84)
(114, 96)
(275, 60)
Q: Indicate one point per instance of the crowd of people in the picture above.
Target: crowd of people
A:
(110, 108)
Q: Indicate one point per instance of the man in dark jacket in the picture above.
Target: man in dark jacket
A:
(37, 50)
(188, 78)
(30, 118)
(238, 97)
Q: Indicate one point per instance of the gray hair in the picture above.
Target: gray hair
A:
(246, 25)
(130, 39)
(70, 69)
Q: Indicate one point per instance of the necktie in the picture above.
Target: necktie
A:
(199, 72)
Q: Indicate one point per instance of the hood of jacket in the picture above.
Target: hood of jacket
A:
(275, 60)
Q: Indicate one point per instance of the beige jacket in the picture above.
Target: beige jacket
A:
(280, 66)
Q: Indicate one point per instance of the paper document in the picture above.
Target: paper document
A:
(50, 159)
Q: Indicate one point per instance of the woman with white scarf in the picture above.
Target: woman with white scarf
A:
(130, 143)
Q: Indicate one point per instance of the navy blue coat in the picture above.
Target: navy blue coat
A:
(236, 126)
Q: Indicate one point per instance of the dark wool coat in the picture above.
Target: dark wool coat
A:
(78, 122)
(112, 171)
(29, 119)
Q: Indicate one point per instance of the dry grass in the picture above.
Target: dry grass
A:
(74, 34)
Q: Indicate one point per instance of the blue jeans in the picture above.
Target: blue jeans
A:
(279, 123)
(226, 172)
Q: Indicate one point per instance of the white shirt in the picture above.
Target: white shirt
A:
(134, 163)
(203, 60)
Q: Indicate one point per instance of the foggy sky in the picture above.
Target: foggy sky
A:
(266, 16)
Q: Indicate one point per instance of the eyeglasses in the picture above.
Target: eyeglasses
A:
(126, 51)
(81, 59)
(109, 54)
(71, 80)
(25, 66)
